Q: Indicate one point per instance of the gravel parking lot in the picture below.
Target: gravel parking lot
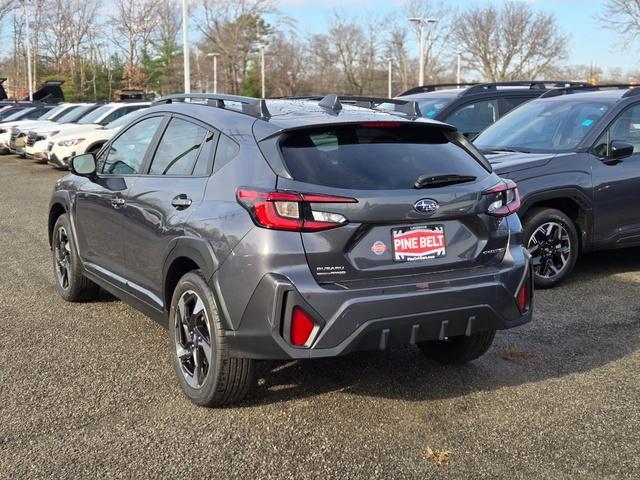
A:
(87, 390)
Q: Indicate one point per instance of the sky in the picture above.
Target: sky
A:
(588, 42)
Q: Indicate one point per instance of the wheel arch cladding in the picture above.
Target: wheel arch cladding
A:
(178, 268)
(188, 255)
(57, 209)
(574, 207)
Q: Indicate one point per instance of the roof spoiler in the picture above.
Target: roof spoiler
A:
(334, 102)
(255, 107)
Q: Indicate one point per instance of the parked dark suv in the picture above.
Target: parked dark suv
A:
(472, 107)
(575, 154)
(292, 229)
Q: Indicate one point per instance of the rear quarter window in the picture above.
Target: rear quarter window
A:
(376, 157)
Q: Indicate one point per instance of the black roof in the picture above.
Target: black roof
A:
(464, 89)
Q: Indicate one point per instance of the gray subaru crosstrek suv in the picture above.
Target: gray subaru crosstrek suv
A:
(293, 229)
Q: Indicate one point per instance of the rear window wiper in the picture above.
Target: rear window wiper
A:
(424, 181)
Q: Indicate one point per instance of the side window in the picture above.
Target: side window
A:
(126, 154)
(206, 155)
(473, 118)
(627, 127)
(178, 149)
(601, 147)
(226, 151)
(509, 103)
(120, 112)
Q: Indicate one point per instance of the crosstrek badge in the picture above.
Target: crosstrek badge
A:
(418, 243)
(379, 247)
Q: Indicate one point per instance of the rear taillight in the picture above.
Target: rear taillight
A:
(523, 297)
(303, 328)
(291, 211)
(505, 199)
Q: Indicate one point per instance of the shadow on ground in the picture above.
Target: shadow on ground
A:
(590, 321)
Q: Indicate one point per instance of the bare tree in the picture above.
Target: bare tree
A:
(356, 48)
(233, 29)
(5, 7)
(321, 66)
(132, 24)
(285, 65)
(623, 16)
(57, 38)
(397, 51)
(509, 42)
(165, 44)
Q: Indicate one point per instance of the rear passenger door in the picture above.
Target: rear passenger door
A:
(162, 199)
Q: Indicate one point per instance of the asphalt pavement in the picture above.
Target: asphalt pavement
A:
(87, 390)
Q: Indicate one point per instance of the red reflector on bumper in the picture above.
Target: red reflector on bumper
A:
(523, 297)
(302, 327)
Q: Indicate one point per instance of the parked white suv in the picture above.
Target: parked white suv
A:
(51, 116)
(68, 145)
(38, 139)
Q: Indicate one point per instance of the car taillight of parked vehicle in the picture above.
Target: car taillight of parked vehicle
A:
(506, 199)
(291, 211)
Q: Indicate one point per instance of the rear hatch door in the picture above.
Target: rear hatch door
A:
(396, 228)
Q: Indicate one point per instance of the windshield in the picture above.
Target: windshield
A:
(543, 126)
(429, 107)
(15, 114)
(118, 122)
(51, 114)
(74, 114)
(93, 117)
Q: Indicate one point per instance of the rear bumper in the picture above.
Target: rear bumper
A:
(377, 317)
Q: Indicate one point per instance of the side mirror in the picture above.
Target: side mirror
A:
(619, 149)
(84, 165)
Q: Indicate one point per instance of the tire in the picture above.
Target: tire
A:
(70, 282)
(458, 350)
(552, 266)
(199, 353)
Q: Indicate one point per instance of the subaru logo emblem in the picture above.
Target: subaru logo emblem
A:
(426, 205)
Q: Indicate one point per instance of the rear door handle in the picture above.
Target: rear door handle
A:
(181, 202)
(118, 202)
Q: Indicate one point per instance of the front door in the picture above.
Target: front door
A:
(617, 184)
(101, 204)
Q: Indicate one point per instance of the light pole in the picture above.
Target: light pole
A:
(215, 70)
(420, 22)
(458, 69)
(185, 46)
(28, 47)
(262, 68)
(389, 80)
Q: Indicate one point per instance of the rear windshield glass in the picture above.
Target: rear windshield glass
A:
(375, 157)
